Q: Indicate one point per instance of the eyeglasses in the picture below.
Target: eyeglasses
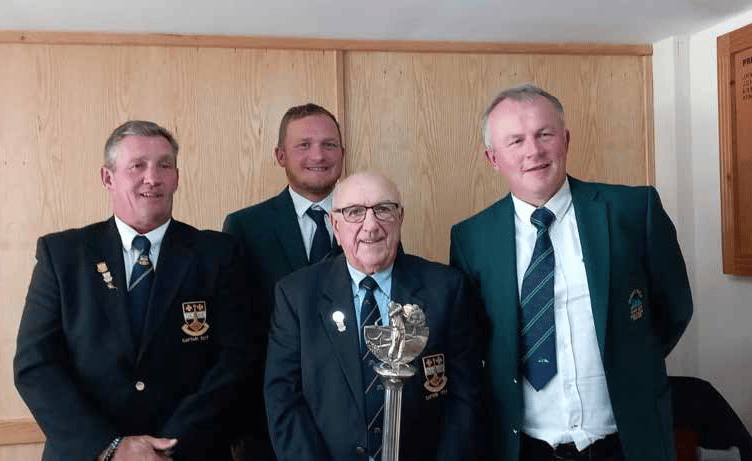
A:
(384, 211)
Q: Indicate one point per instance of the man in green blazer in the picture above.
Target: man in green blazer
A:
(581, 311)
(281, 235)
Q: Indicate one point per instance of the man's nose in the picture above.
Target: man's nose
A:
(370, 221)
(533, 147)
(153, 175)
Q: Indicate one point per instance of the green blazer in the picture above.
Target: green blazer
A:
(641, 305)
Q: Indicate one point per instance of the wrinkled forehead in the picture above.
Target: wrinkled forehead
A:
(365, 191)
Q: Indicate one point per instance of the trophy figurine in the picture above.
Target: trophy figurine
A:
(395, 346)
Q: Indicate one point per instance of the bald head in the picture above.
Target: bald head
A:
(367, 219)
(369, 183)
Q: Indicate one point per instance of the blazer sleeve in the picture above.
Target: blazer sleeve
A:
(458, 439)
(73, 424)
(293, 432)
(670, 293)
(208, 409)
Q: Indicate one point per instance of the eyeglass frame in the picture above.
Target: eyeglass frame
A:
(392, 217)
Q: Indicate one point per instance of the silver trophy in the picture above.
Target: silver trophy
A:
(396, 345)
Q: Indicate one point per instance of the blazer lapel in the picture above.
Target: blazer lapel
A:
(501, 282)
(175, 256)
(337, 296)
(405, 286)
(593, 227)
(287, 229)
(105, 255)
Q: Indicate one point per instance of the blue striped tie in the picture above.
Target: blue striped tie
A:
(537, 306)
(139, 286)
(374, 389)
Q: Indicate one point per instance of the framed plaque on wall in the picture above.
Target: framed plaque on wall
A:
(735, 132)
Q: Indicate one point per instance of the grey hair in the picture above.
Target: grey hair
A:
(524, 92)
(135, 128)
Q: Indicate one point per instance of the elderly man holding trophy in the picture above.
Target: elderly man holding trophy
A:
(339, 381)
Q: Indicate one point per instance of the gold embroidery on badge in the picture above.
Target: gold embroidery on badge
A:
(434, 370)
(194, 314)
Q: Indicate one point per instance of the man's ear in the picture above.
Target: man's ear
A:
(279, 154)
(335, 227)
(106, 176)
(491, 158)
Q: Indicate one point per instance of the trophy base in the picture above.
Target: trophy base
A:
(399, 371)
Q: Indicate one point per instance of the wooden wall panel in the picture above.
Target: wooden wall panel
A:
(416, 117)
(21, 453)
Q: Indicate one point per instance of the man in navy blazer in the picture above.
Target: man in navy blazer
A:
(620, 298)
(114, 373)
(278, 234)
(315, 384)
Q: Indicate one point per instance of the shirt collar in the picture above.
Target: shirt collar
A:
(383, 278)
(302, 204)
(558, 204)
(127, 233)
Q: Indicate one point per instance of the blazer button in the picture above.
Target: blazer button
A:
(360, 450)
(514, 431)
(140, 386)
(514, 380)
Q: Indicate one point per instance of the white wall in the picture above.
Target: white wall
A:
(718, 344)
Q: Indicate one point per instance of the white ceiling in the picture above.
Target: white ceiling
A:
(615, 21)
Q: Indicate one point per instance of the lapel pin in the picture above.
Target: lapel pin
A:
(106, 276)
(339, 320)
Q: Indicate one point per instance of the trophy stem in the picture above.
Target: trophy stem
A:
(393, 382)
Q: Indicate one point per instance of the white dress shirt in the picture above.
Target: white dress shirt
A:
(574, 406)
(306, 223)
(130, 253)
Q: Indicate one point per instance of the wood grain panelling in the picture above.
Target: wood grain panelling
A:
(413, 113)
(20, 432)
(416, 117)
(312, 43)
(21, 453)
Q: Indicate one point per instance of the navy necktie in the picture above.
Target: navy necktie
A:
(139, 286)
(537, 307)
(374, 389)
(322, 243)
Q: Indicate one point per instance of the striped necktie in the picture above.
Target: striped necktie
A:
(537, 306)
(139, 286)
(374, 389)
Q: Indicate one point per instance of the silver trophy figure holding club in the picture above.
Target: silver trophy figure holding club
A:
(396, 345)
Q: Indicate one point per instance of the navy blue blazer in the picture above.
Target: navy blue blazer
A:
(313, 384)
(80, 372)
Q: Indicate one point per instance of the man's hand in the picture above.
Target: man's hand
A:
(143, 448)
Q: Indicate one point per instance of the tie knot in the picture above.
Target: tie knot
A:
(368, 283)
(542, 218)
(141, 243)
(317, 215)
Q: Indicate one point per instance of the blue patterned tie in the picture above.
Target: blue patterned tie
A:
(322, 242)
(369, 313)
(537, 305)
(139, 286)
